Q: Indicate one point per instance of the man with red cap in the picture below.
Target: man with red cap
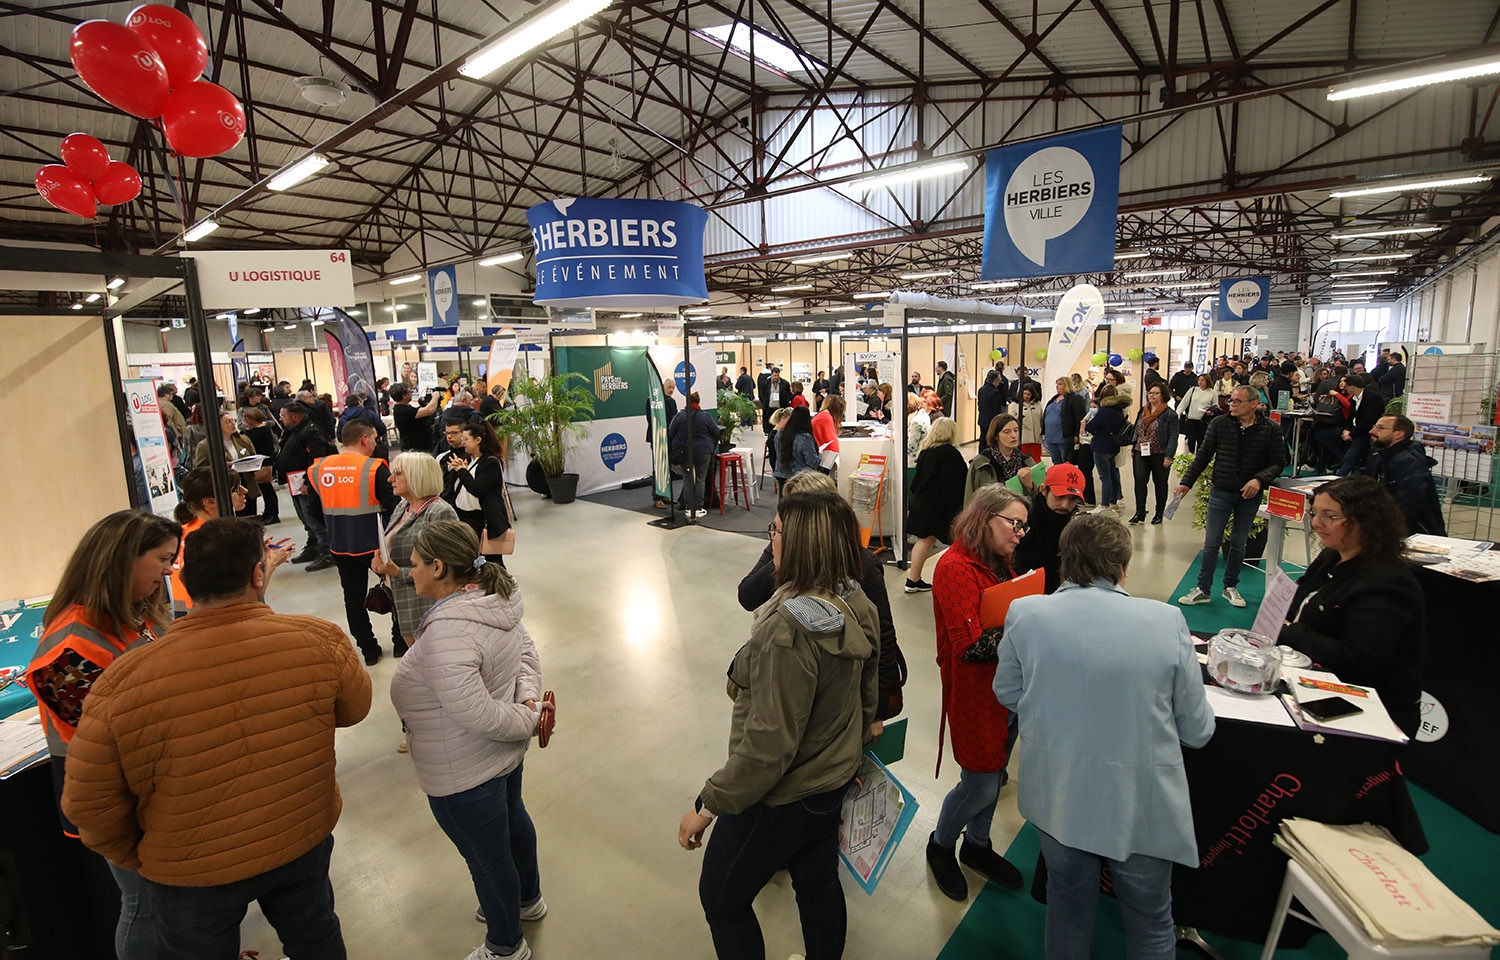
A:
(1060, 496)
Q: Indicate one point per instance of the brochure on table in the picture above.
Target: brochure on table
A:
(1371, 723)
(876, 813)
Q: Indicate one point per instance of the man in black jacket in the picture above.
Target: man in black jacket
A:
(319, 412)
(303, 443)
(1182, 381)
(991, 403)
(1248, 453)
(1153, 376)
(775, 393)
(947, 386)
(1365, 408)
(1402, 467)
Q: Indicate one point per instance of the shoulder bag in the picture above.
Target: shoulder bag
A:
(505, 544)
(1125, 433)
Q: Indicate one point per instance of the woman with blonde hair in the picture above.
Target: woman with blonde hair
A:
(917, 424)
(418, 480)
(469, 694)
(937, 494)
(110, 599)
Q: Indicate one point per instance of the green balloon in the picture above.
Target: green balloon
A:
(995, 354)
(1100, 358)
(1135, 353)
(1041, 354)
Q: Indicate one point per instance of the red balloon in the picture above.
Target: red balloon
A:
(120, 67)
(202, 119)
(175, 38)
(85, 154)
(120, 184)
(66, 190)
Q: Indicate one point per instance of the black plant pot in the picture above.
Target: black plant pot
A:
(536, 479)
(564, 487)
(726, 445)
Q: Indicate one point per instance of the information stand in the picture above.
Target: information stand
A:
(867, 496)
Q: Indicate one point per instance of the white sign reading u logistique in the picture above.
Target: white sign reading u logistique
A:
(274, 278)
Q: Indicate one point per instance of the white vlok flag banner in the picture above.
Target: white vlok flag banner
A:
(1077, 318)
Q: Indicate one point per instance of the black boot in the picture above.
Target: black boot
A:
(1140, 517)
(984, 860)
(946, 871)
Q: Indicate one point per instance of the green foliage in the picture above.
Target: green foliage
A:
(732, 412)
(547, 411)
(1201, 490)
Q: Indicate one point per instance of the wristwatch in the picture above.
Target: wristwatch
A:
(700, 809)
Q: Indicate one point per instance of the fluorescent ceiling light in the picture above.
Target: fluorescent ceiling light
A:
(116, 283)
(93, 298)
(769, 51)
(309, 165)
(632, 316)
(777, 303)
(1362, 273)
(532, 33)
(318, 323)
(1041, 293)
(200, 230)
(873, 295)
(222, 316)
(1454, 181)
(792, 286)
(164, 327)
(288, 326)
(77, 306)
(1368, 257)
(925, 171)
(995, 285)
(1147, 274)
(252, 311)
(1395, 232)
(409, 278)
(762, 313)
(1420, 77)
(511, 257)
(1132, 254)
(1358, 286)
(813, 258)
(926, 275)
(1187, 284)
(698, 310)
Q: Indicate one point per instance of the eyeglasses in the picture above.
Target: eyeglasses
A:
(772, 531)
(1019, 526)
(1327, 517)
(1241, 400)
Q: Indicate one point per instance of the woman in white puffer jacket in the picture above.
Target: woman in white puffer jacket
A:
(469, 696)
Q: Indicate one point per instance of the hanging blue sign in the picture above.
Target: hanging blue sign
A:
(1203, 331)
(1245, 298)
(442, 294)
(592, 252)
(1050, 206)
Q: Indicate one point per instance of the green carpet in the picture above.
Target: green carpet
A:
(1217, 615)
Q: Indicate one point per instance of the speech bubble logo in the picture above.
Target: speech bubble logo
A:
(442, 293)
(1046, 196)
(1242, 295)
(685, 376)
(612, 449)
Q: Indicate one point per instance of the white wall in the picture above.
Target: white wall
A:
(1462, 306)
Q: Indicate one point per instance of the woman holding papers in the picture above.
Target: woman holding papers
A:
(1000, 459)
(236, 446)
(1358, 611)
(804, 690)
(985, 537)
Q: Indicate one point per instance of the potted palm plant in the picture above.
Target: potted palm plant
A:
(1255, 546)
(547, 411)
(733, 412)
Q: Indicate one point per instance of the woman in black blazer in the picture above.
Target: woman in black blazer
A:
(482, 502)
(1358, 610)
(937, 495)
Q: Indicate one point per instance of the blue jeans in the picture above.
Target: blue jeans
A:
(1222, 503)
(203, 923)
(1142, 884)
(1354, 457)
(1059, 451)
(1109, 478)
(746, 849)
(311, 515)
(969, 808)
(491, 828)
(135, 935)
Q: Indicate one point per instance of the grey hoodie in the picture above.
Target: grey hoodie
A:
(805, 693)
(461, 692)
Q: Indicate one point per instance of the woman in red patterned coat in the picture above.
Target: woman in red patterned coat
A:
(985, 536)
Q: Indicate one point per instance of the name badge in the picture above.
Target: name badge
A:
(1145, 446)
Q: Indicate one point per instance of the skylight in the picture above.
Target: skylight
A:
(769, 51)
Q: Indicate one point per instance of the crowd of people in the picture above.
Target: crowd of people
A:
(139, 745)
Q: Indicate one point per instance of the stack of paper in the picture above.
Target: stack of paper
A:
(1372, 722)
(1383, 888)
(23, 744)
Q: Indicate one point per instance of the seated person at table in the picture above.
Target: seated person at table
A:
(1358, 610)
(1403, 467)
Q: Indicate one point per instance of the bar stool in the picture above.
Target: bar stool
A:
(732, 481)
(1346, 932)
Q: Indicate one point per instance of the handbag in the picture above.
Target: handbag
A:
(678, 454)
(1125, 434)
(505, 544)
(986, 648)
(546, 720)
(263, 475)
(379, 599)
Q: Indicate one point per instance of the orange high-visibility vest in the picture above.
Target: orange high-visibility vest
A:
(345, 484)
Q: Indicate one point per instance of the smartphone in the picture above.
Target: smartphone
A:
(1330, 708)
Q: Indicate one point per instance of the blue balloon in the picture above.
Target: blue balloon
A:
(1114, 360)
(1149, 357)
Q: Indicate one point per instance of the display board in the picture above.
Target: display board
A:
(151, 440)
(612, 448)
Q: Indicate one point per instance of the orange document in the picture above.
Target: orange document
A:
(995, 601)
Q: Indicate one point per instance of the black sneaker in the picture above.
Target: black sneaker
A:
(946, 871)
(322, 563)
(917, 586)
(984, 860)
(308, 553)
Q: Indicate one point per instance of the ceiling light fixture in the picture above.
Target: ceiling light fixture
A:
(308, 166)
(812, 258)
(873, 295)
(511, 257)
(200, 230)
(1369, 257)
(792, 286)
(77, 306)
(1132, 254)
(252, 311)
(531, 33)
(1187, 284)
(93, 298)
(925, 275)
(925, 171)
(318, 323)
(1419, 77)
(995, 285)
(762, 313)
(697, 310)
(288, 326)
(115, 284)
(1041, 293)
(632, 316)
(777, 303)
(164, 327)
(1362, 273)
(1370, 234)
(1454, 181)
(768, 51)
(409, 278)
(1148, 274)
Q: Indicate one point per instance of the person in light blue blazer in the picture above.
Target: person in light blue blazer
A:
(1108, 691)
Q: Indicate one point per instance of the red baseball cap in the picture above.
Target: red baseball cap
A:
(1065, 480)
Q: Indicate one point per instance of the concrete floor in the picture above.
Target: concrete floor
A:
(635, 627)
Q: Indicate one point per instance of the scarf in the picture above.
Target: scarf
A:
(1146, 423)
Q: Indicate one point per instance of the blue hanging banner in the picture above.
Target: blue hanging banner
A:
(1050, 206)
(1245, 298)
(442, 294)
(592, 252)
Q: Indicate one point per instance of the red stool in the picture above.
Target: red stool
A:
(732, 480)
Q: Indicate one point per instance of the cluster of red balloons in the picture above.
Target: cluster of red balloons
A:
(86, 177)
(149, 68)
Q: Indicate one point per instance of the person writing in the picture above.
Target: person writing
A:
(1358, 610)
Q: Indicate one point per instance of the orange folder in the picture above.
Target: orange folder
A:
(995, 602)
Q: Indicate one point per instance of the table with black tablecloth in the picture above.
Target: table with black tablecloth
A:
(1245, 781)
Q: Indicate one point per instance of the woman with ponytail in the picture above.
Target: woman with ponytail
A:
(469, 693)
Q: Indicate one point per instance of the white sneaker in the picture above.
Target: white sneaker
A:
(1233, 596)
(482, 952)
(1102, 510)
(534, 912)
(1197, 595)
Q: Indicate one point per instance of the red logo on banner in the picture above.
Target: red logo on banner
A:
(1287, 504)
(1150, 321)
